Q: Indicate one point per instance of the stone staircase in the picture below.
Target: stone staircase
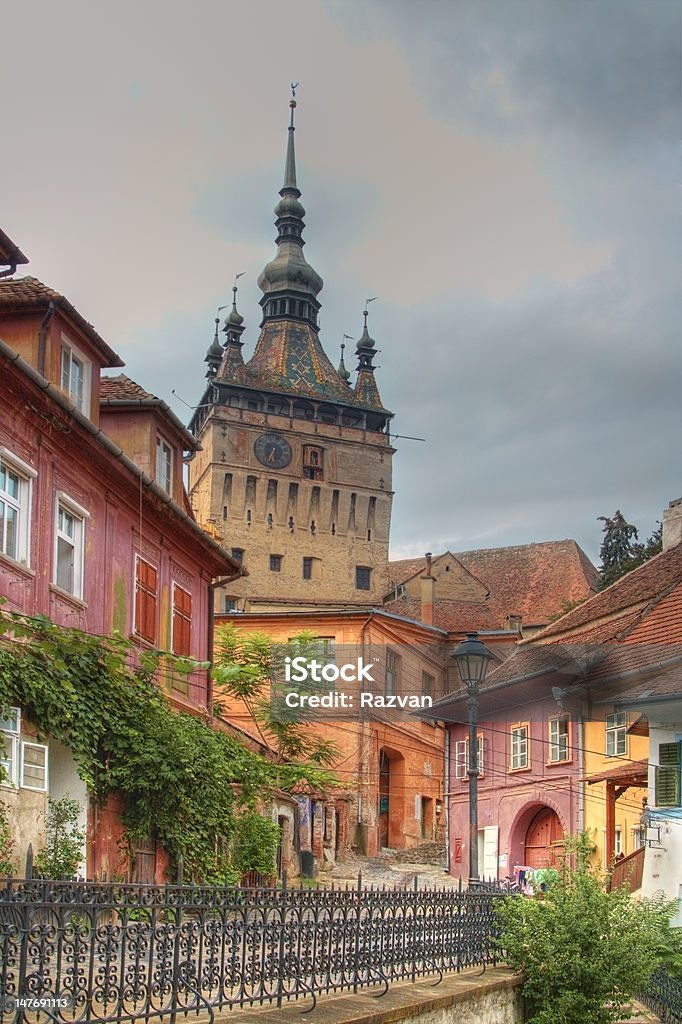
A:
(424, 853)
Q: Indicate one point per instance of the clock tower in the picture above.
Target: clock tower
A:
(294, 475)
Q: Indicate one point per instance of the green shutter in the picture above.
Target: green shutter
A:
(668, 775)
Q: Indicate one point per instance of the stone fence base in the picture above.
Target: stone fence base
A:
(466, 998)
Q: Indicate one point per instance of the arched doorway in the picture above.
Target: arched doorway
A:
(544, 840)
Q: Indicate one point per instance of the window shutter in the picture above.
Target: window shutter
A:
(145, 600)
(480, 753)
(182, 621)
(34, 766)
(668, 775)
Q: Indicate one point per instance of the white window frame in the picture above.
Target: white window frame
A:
(26, 746)
(80, 515)
(615, 732)
(520, 747)
(555, 743)
(22, 505)
(618, 841)
(11, 737)
(164, 464)
(462, 758)
(69, 351)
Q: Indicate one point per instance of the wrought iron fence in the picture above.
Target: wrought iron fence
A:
(663, 995)
(111, 952)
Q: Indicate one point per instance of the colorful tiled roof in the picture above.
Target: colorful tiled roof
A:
(289, 358)
(28, 293)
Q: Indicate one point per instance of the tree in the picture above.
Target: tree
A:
(64, 840)
(245, 666)
(621, 551)
(584, 951)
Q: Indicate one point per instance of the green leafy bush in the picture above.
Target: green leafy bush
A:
(7, 843)
(584, 951)
(255, 844)
(64, 840)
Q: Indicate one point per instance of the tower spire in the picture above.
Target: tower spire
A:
(289, 284)
(365, 386)
(342, 371)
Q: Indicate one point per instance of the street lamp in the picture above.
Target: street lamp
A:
(472, 657)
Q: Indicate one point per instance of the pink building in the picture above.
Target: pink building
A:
(96, 533)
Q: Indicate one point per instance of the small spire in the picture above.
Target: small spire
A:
(214, 353)
(290, 163)
(342, 371)
(234, 318)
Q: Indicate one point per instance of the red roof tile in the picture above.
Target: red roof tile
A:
(535, 581)
(10, 253)
(27, 293)
(122, 389)
(453, 616)
(121, 392)
(651, 581)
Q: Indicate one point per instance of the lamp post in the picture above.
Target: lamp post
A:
(472, 657)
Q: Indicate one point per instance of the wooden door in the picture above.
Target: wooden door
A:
(544, 840)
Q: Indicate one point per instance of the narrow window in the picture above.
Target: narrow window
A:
(275, 563)
(238, 554)
(69, 548)
(146, 582)
(616, 734)
(462, 758)
(164, 465)
(351, 513)
(428, 683)
(73, 377)
(10, 730)
(230, 603)
(363, 576)
(307, 568)
(15, 508)
(34, 767)
(392, 672)
(312, 462)
(181, 643)
(519, 747)
(558, 739)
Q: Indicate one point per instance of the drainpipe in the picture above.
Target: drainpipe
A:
(211, 629)
(42, 334)
(8, 273)
(446, 798)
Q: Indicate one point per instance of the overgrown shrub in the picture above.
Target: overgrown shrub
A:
(584, 951)
(255, 844)
(64, 840)
(7, 844)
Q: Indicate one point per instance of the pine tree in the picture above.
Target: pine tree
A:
(621, 551)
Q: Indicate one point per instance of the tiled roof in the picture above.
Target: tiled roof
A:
(122, 392)
(655, 579)
(122, 389)
(663, 624)
(534, 581)
(289, 358)
(10, 252)
(453, 616)
(27, 293)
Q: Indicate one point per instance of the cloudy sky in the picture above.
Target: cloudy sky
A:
(503, 174)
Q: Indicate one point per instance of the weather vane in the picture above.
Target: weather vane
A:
(294, 87)
(367, 302)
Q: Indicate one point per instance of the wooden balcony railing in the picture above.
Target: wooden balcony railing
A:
(628, 871)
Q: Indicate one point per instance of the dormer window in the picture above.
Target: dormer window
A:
(312, 463)
(164, 465)
(74, 376)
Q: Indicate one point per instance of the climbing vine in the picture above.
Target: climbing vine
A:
(179, 777)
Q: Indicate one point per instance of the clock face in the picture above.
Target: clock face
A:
(273, 450)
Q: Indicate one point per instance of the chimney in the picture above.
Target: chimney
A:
(428, 592)
(672, 524)
(513, 622)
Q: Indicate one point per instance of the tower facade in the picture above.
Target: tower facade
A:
(294, 475)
